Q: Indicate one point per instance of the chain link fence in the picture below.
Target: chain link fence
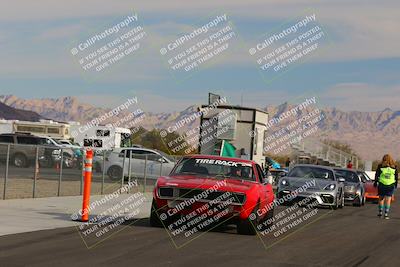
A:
(31, 171)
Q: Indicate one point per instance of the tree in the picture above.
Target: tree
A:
(169, 142)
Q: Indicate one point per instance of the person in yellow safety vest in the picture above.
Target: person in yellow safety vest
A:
(386, 177)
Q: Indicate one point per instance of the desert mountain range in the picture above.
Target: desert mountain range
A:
(370, 134)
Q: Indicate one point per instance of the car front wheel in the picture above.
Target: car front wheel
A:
(154, 217)
(358, 202)
(342, 201)
(115, 173)
(20, 161)
(249, 226)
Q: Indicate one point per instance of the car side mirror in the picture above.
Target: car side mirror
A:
(341, 180)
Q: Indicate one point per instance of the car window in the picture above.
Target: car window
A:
(6, 139)
(142, 154)
(27, 140)
(44, 141)
(153, 157)
(260, 173)
(311, 172)
(165, 155)
(217, 168)
(364, 177)
(349, 176)
(125, 152)
(139, 152)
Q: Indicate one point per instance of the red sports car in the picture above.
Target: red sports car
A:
(205, 188)
(371, 192)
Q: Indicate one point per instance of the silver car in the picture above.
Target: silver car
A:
(316, 182)
(354, 191)
(143, 162)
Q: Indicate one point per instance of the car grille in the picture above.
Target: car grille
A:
(327, 199)
(349, 188)
(187, 193)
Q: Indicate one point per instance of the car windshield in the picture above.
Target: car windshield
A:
(311, 172)
(215, 168)
(364, 176)
(349, 176)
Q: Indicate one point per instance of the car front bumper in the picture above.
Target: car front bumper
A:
(371, 196)
(351, 196)
(324, 198)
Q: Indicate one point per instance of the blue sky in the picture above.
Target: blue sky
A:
(359, 71)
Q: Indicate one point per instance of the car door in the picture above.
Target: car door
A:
(154, 162)
(5, 140)
(266, 191)
(138, 162)
(125, 159)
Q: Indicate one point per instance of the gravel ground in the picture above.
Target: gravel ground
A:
(23, 188)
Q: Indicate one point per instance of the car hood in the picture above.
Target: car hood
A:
(308, 183)
(193, 181)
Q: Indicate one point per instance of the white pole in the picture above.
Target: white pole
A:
(222, 147)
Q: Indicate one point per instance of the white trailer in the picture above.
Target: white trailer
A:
(101, 136)
(48, 128)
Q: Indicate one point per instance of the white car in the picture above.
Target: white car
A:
(157, 164)
(69, 144)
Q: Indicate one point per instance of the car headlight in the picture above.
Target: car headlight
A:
(56, 152)
(330, 187)
(284, 182)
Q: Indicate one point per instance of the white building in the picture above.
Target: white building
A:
(242, 127)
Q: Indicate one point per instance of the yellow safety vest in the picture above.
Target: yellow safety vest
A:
(387, 176)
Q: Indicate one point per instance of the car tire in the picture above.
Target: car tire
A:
(268, 220)
(67, 161)
(249, 226)
(20, 160)
(97, 167)
(154, 218)
(284, 202)
(341, 206)
(115, 173)
(358, 202)
(336, 205)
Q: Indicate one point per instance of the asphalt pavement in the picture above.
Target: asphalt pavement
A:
(353, 236)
